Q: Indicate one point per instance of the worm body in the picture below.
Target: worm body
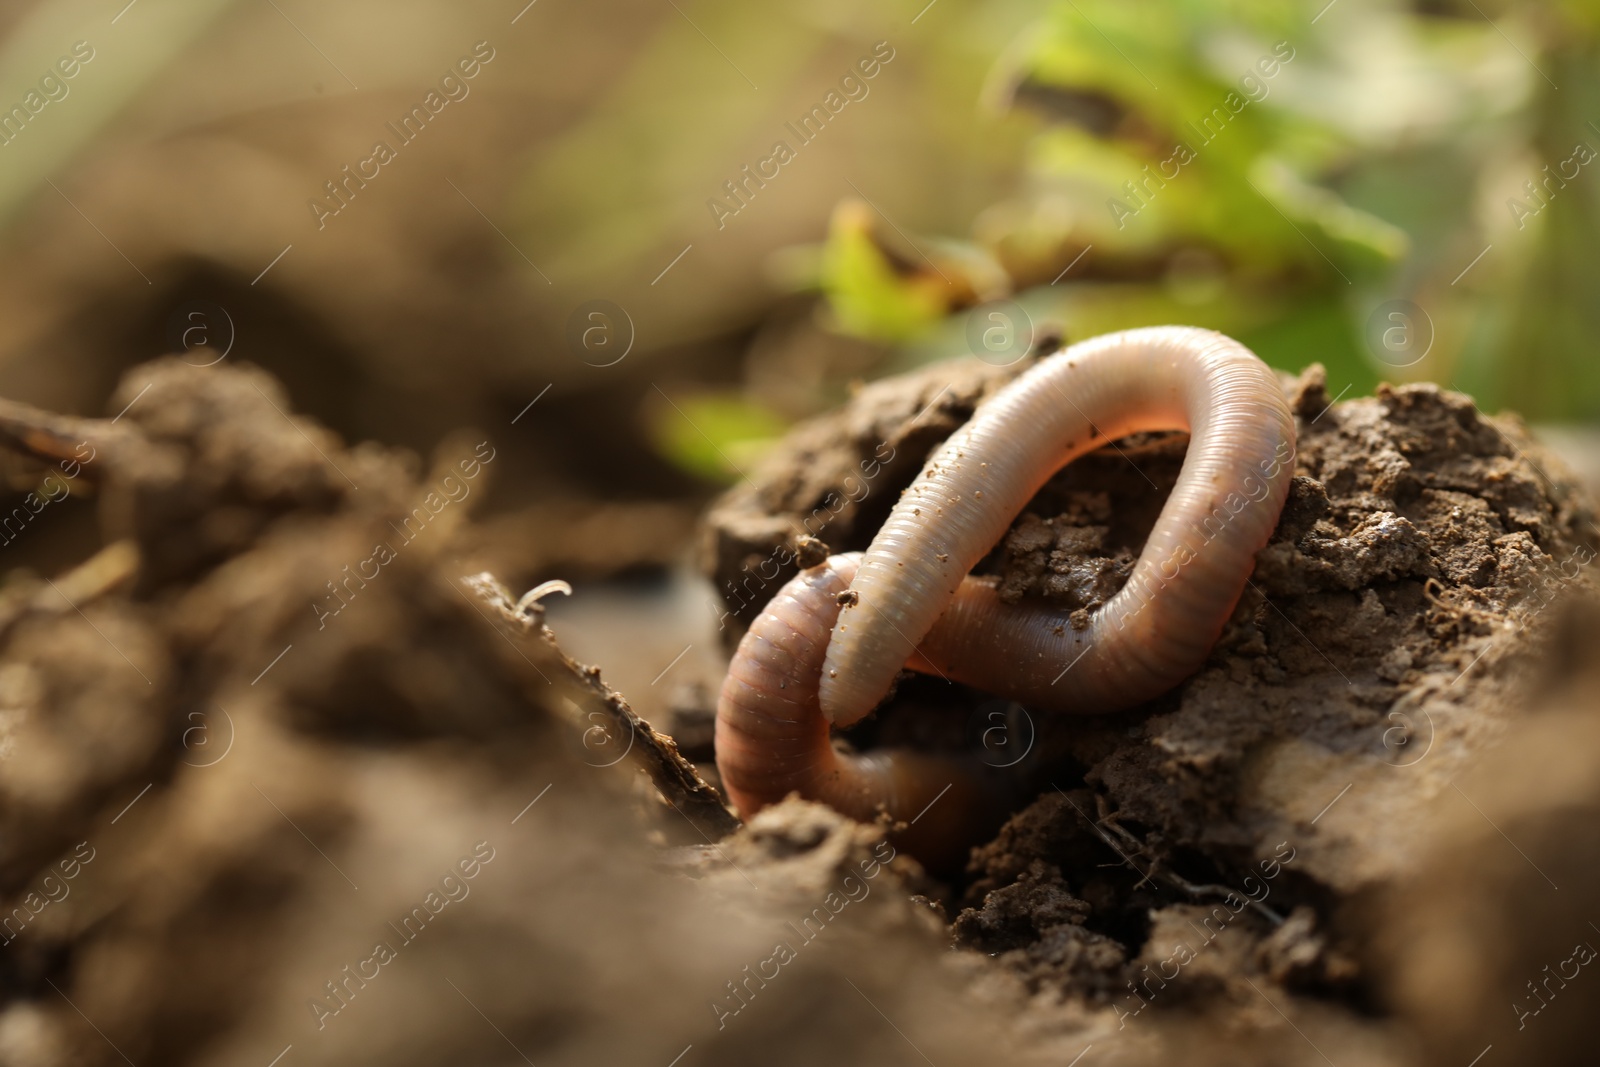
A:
(772, 740)
(1158, 629)
(808, 661)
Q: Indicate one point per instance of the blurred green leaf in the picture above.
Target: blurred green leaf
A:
(868, 296)
(714, 435)
(1317, 174)
(118, 69)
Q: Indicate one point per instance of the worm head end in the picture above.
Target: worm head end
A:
(848, 690)
(833, 689)
(838, 710)
(844, 690)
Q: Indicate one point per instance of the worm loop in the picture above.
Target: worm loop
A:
(772, 740)
(1158, 629)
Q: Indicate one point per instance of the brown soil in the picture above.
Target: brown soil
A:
(268, 791)
(1382, 649)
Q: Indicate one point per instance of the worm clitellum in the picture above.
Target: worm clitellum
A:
(815, 657)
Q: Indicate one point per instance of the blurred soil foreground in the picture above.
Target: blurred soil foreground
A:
(299, 790)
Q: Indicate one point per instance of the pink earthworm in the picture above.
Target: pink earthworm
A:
(909, 600)
(772, 740)
(1158, 629)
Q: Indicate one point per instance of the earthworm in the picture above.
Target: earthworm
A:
(1160, 626)
(771, 738)
(828, 647)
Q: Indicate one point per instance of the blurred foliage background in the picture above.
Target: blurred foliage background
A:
(1398, 189)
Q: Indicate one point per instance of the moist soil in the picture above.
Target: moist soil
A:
(281, 775)
(1222, 840)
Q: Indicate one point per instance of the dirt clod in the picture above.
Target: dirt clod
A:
(1220, 834)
